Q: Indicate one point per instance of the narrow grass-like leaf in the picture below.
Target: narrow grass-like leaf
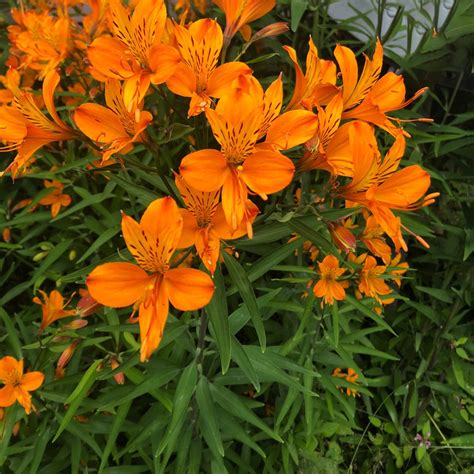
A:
(243, 361)
(207, 418)
(119, 418)
(12, 334)
(219, 319)
(101, 240)
(74, 400)
(242, 282)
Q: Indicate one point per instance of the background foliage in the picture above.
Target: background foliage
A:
(211, 400)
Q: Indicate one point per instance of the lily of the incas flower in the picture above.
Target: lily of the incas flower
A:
(204, 224)
(115, 128)
(379, 186)
(372, 237)
(328, 287)
(243, 116)
(135, 53)
(39, 39)
(52, 308)
(27, 129)
(151, 285)
(317, 85)
(386, 95)
(198, 76)
(351, 376)
(239, 13)
(369, 97)
(17, 385)
(371, 282)
(55, 199)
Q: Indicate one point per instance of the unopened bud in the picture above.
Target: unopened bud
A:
(274, 29)
(16, 428)
(65, 357)
(72, 255)
(87, 305)
(343, 237)
(76, 324)
(7, 234)
(119, 377)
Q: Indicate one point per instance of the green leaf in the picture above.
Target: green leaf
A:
(12, 333)
(234, 405)
(241, 281)
(243, 361)
(219, 319)
(119, 418)
(182, 397)
(301, 228)
(101, 240)
(207, 418)
(74, 400)
(298, 7)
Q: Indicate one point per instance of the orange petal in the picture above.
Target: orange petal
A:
(117, 284)
(205, 170)
(152, 317)
(163, 60)
(109, 56)
(267, 172)
(208, 246)
(32, 381)
(160, 215)
(50, 83)
(99, 123)
(188, 288)
(9, 364)
(221, 78)
(24, 398)
(234, 199)
(188, 236)
(7, 396)
(183, 81)
(291, 129)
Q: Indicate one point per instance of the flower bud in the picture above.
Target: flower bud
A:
(343, 237)
(87, 305)
(119, 377)
(7, 234)
(274, 29)
(65, 357)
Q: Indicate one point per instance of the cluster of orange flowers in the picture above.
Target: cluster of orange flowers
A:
(81, 49)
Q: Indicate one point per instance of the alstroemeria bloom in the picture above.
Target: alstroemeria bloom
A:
(27, 129)
(55, 199)
(52, 308)
(204, 224)
(240, 119)
(115, 128)
(351, 376)
(317, 86)
(371, 282)
(372, 237)
(151, 285)
(40, 40)
(134, 53)
(198, 75)
(328, 287)
(17, 385)
(238, 13)
(379, 186)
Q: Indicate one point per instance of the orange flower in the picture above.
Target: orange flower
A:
(204, 224)
(328, 287)
(377, 185)
(351, 376)
(241, 118)
(39, 39)
(343, 237)
(238, 13)
(372, 237)
(16, 384)
(56, 199)
(186, 5)
(317, 86)
(371, 282)
(87, 305)
(135, 52)
(114, 127)
(198, 76)
(27, 129)
(151, 285)
(369, 97)
(400, 269)
(52, 307)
